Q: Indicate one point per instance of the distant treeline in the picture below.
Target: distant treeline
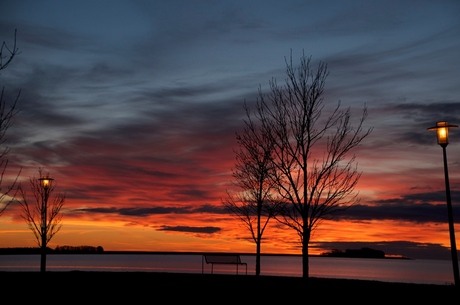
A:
(57, 250)
(357, 253)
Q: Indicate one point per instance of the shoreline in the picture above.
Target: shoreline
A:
(223, 287)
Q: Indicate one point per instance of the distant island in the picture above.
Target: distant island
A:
(359, 253)
(57, 250)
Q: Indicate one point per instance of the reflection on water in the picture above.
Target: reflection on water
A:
(388, 270)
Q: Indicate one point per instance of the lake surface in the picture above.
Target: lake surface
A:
(388, 270)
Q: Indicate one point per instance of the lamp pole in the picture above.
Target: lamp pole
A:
(46, 184)
(442, 131)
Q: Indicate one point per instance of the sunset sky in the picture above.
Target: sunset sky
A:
(132, 107)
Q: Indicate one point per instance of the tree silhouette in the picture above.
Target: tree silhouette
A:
(253, 204)
(7, 112)
(43, 216)
(315, 177)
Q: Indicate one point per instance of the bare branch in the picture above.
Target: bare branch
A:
(7, 112)
(5, 60)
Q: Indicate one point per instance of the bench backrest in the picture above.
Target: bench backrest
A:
(222, 259)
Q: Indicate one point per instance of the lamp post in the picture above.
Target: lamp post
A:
(46, 184)
(442, 131)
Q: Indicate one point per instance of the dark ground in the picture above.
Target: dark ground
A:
(171, 288)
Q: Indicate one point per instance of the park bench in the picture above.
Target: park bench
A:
(222, 259)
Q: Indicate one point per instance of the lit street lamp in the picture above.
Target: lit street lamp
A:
(46, 184)
(442, 131)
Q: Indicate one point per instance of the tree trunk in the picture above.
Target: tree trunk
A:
(43, 250)
(305, 262)
(43, 260)
(258, 257)
(305, 266)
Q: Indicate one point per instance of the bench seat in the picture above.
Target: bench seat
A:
(222, 259)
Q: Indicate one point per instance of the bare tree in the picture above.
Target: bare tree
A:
(315, 175)
(7, 112)
(5, 60)
(42, 217)
(253, 204)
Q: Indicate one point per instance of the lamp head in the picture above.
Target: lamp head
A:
(442, 132)
(46, 182)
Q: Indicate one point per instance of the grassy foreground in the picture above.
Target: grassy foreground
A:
(137, 287)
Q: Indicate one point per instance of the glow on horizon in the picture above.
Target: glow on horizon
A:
(122, 236)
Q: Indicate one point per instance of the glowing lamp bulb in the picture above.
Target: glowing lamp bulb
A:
(46, 182)
(442, 132)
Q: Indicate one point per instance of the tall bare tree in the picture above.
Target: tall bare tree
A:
(7, 112)
(315, 174)
(43, 216)
(253, 203)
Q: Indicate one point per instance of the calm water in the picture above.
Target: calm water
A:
(387, 270)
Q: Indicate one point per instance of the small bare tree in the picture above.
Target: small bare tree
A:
(253, 204)
(7, 112)
(315, 175)
(42, 216)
